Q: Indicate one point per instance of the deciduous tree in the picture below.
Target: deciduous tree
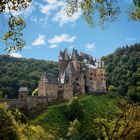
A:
(126, 126)
(13, 37)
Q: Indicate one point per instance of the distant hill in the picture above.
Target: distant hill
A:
(123, 68)
(16, 72)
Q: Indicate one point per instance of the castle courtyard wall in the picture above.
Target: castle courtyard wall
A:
(14, 103)
(30, 102)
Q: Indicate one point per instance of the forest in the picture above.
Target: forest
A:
(20, 72)
(123, 71)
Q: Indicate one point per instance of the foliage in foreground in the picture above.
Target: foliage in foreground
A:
(123, 123)
(15, 129)
(104, 11)
(125, 126)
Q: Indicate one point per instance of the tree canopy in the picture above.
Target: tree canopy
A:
(123, 71)
(103, 11)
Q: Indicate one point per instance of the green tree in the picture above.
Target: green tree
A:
(8, 125)
(125, 126)
(121, 73)
(1, 94)
(102, 11)
(31, 132)
(112, 88)
(35, 92)
(13, 37)
(74, 109)
(74, 130)
(134, 93)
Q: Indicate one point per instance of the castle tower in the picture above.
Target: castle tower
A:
(100, 83)
(23, 93)
(41, 85)
(82, 84)
(63, 62)
(66, 57)
(75, 59)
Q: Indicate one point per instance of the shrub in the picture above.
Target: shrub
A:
(74, 109)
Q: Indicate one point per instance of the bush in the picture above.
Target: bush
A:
(134, 93)
(74, 109)
(8, 125)
(74, 130)
(112, 88)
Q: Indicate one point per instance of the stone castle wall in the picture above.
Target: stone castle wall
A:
(29, 103)
(14, 103)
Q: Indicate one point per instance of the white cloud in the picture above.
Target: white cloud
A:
(28, 48)
(60, 16)
(131, 39)
(51, 6)
(43, 21)
(65, 19)
(54, 46)
(90, 46)
(41, 40)
(50, 1)
(17, 55)
(61, 38)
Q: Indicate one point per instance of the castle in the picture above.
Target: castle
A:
(79, 73)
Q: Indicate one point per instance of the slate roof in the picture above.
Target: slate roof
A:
(69, 69)
(51, 78)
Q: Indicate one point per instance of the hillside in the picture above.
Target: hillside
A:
(16, 72)
(123, 69)
(55, 121)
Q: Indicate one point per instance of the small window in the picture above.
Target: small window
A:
(60, 86)
(90, 73)
(90, 78)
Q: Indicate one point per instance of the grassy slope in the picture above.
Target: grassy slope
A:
(55, 121)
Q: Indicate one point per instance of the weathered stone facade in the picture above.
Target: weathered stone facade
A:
(78, 74)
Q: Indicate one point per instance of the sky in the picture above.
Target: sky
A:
(49, 30)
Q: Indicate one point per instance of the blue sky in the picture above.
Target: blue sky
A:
(49, 30)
